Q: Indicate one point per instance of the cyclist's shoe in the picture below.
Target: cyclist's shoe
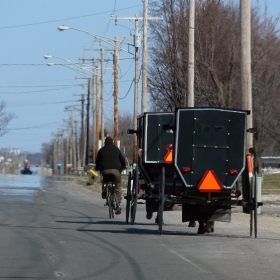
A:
(118, 210)
(104, 193)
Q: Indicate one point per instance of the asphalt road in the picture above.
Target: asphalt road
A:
(51, 229)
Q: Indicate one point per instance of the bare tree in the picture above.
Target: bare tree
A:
(5, 118)
(217, 63)
(126, 140)
(266, 83)
(47, 152)
(216, 60)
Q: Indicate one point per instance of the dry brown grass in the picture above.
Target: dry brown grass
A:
(271, 183)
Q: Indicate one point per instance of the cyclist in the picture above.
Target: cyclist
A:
(110, 162)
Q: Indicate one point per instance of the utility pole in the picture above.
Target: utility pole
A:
(94, 80)
(75, 144)
(246, 82)
(116, 92)
(67, 152)
(74, 155)
(82, 131)
(145, 56)
(97, 120)
(82, 141)
(102, 60)
(191, 56)
(102, 96)
(87, 120)
(62, 154)
(137, 45)
(116, 122)
(76, 136)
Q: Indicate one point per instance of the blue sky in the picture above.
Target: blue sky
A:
(38, 93)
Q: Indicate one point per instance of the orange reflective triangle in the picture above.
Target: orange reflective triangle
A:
(168, 157)
(209, 182)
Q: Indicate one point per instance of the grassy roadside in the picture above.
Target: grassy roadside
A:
(271, 184)
(96, 186)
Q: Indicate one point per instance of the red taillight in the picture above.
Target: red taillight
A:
(232, 172)
(237, 193)
(142, 186)
(178, 191)
(252, 150)
(140, 151)
(185, 169)
(169, 147)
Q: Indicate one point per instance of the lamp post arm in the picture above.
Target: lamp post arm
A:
(99, 37)
(69, 61)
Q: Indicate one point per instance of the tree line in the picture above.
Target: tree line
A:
(217, 65)
(217, 62)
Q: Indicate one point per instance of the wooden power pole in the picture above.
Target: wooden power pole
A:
(191, 55)
(137, 45)
(97, 114)
(116, 93)
(246, 81)
(145, 56)
(102, 99)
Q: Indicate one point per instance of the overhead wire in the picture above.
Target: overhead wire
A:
(71, 18)
(37, 126)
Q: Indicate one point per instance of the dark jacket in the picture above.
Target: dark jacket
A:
(110, 157)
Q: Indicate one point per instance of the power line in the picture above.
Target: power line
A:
(72, 18)
(37, 126)
(23, 92)
(44, 86)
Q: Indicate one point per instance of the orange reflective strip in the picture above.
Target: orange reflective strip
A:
(249, 166)
(209, 182)
(168, 157)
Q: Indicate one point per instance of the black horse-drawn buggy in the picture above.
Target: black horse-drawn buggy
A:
(197, 158)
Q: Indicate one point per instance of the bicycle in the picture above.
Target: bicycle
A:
(109, 188)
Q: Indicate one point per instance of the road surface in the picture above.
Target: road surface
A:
(52, 229)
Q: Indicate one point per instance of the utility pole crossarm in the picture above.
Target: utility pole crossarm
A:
(96, 59)
(135, 18)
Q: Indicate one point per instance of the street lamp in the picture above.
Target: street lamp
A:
(47, 56)
(99, 37)
(116, 49)
(76, 70)
(51, 64)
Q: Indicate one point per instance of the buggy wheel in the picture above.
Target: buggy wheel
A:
(161, 200)
(255, 206)
(134, 194)
(128, 198)
(251, 205)
(111, 205)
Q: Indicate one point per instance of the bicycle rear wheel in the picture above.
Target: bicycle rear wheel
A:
(161, 200)
(111, 205)
(134, 195)
(128, 198)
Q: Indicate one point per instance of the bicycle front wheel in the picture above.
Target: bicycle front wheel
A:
(111, 205)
